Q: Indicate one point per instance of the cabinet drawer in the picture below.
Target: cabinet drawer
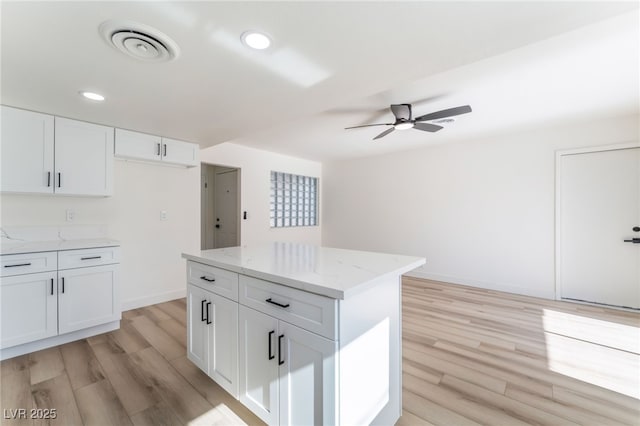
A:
(70, 259)
(306, 310)
(28, 263)
(219, 281)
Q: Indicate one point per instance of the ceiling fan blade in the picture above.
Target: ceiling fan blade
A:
(401, 111)
(427, 127)
(369, 125)
(445, 113)
(385, 133)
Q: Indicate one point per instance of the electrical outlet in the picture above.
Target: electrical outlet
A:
(163, 215)
(71, 215)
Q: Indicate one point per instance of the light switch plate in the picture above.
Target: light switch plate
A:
(163, 215)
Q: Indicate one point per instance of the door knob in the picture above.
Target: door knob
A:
(217, 225)
(636, 229)
(633, 240)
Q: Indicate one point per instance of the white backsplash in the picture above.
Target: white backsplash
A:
(14, 234)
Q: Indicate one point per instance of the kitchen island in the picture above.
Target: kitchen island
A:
(300, 334)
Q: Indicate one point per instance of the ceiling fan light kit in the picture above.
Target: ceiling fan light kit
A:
(404, 119)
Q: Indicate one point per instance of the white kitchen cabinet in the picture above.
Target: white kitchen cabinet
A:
(259, 373)
(52, 155)
(287, 374)
(28, 308)
(27, 151)
(51, 298)
(212, 339)
(83, 158)
(87, 297)
(142, 146)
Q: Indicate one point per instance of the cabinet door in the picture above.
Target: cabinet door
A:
(198, 329)
(259, 364)
(136, 145)
(223, 349)
(27, 151)
(87, 297)
(28, 308)
(307, 377)
(83, 158)
(178, 152)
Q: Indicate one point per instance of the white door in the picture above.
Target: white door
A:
(226, 209)
(307, 377)
(28, 308)
(258, 349)
(599, 207)
(83, 158)
(198, 329)
(87, 297)
(27, 151)
(223, 350)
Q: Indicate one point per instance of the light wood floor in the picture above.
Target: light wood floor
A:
(470, 357)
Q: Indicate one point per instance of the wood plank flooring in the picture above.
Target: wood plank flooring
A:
(470, 357)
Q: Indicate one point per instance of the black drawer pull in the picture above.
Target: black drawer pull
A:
(211, 280)
(207, 309)
(271, 334)
(280, 360)
(62, 285)
(92, 257)
(17, 264)
(202, 318)
(48, 179)
(52, 286)
(276, 303)
(59, 180)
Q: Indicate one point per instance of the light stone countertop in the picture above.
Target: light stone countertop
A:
(330, 272)
(19, 247)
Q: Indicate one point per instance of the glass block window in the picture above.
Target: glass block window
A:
(294, 200)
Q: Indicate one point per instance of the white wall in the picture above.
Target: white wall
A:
(255, 175)
(151, 269)
(481, 212)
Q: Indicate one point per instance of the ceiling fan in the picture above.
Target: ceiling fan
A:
(404, 119)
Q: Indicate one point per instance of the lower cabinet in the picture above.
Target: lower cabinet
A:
(28, 308)
(213, 336)
(287, 374)
(87, 297)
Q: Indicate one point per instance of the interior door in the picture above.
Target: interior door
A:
(599, 208)
(226, 209)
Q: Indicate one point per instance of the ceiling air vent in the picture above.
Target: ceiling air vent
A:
(139, 41)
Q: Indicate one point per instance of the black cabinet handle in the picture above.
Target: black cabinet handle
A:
(92, 257)
(165, 150)
(633, 240)
(59, 179)
(211, 280)
(271, 334)
(158, 148)
(17, 264)
(62, 285)
(207, 308)
(202, 318)
(280, 360)
(276, 303)
(48, 179)
(52, 286)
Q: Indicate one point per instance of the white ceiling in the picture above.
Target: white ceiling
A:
(332, 64)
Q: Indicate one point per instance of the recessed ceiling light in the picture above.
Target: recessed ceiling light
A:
(93, 96)
(256, 40)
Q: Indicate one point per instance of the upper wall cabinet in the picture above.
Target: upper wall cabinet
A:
(141, 146)
(46, 155)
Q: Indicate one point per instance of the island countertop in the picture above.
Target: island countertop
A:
(330, 272)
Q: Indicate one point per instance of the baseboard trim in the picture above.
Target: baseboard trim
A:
(152, 300)
(57, 340)
(484, 285)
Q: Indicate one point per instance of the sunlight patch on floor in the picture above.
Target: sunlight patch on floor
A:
(218, 415)
(612, 362)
